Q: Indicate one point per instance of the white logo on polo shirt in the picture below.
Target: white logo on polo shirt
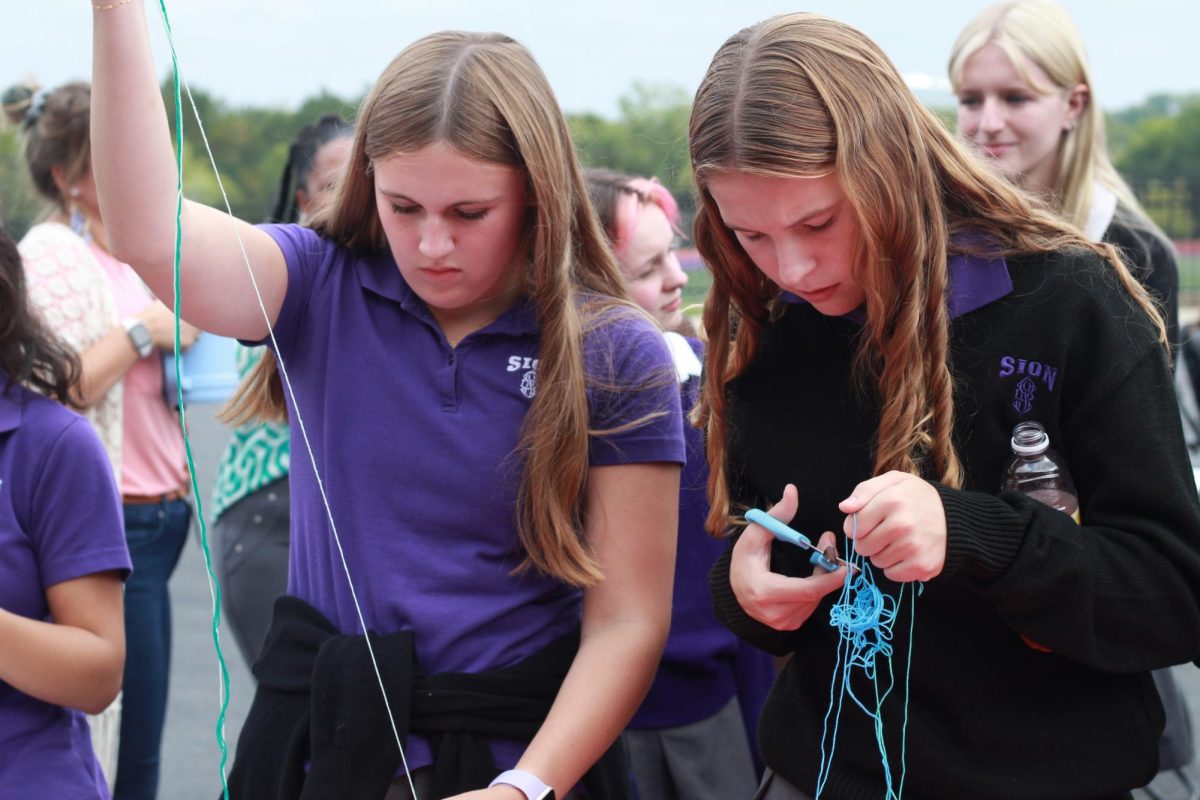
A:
(529, 383)
(529, 379)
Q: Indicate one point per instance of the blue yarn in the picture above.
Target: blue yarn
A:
(864, 617)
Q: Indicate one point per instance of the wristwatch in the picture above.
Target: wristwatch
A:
(529, 784)
(139, 336)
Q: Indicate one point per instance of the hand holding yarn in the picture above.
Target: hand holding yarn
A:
(781, 602)
(901, 526)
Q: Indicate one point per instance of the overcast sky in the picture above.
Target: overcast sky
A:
(277, 52)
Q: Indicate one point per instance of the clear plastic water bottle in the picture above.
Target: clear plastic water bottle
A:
(1038, 471)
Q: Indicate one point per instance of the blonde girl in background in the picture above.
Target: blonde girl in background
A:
(1026, 102)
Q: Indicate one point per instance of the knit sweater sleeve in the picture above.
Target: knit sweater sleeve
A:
(1150, 258)
(1121, 591)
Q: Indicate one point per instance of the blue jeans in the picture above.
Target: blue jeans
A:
(156, 534)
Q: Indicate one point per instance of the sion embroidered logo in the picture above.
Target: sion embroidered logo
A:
(529, 379)
(1030, 372)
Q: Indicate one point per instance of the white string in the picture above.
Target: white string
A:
(295, 407)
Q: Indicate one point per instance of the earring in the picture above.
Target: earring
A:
(78, 221)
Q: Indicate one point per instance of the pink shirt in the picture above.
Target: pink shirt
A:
(152, 459)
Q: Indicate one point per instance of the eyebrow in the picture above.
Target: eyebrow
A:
(406, 198)
(654, 259)
(810, 215)
(1007, 87)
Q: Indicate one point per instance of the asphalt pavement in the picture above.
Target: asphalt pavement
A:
(191, 765)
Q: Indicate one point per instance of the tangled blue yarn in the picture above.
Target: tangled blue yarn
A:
(864, 621)
(864, 617)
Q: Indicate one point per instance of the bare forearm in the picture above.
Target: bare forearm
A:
(604, 687)
(103, 365)
(59, 664)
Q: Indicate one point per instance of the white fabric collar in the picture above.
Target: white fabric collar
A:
(1100, 215)
(687, 365)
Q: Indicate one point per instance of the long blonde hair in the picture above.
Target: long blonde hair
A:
(1041, 32)
(801, 95)
(484, 95)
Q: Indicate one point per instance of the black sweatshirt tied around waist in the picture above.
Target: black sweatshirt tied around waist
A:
(318, 702)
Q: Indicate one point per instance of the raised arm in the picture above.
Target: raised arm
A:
(134, 166)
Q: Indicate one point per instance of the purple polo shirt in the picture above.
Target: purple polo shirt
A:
(414, 442)
(60, 518)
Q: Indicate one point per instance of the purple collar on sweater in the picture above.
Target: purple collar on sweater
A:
(974, 283)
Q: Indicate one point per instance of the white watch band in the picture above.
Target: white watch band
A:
(529, 784)
(139, 336)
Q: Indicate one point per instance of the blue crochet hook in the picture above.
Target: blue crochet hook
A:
(828, 559)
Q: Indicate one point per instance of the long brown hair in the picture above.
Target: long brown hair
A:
(801, 95)
(484, 95)
(30, 354)
(58, 135)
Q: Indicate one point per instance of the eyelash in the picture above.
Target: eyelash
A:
(1010, 99)
(754, 237)
(469, 216)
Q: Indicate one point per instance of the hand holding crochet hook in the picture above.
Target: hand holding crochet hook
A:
(779, 601)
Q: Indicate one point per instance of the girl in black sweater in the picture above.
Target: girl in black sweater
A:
(884, 311)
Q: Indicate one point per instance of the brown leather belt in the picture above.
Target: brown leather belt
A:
(153, 499)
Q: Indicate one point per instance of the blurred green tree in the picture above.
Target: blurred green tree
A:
(1161, 160)
(20, 204)
(649, 137)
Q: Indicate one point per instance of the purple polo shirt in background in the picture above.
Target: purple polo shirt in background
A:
(414, 442)
(704, 665)
(60, 519)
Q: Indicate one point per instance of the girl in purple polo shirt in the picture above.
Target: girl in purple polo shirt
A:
(62, 561)
(488, 434)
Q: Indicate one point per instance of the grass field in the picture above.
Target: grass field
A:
(697, 287)
(1189, 275)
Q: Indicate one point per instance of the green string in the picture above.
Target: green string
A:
(187, 444)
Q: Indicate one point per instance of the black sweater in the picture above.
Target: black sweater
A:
(989, 716)
(1152, 262)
